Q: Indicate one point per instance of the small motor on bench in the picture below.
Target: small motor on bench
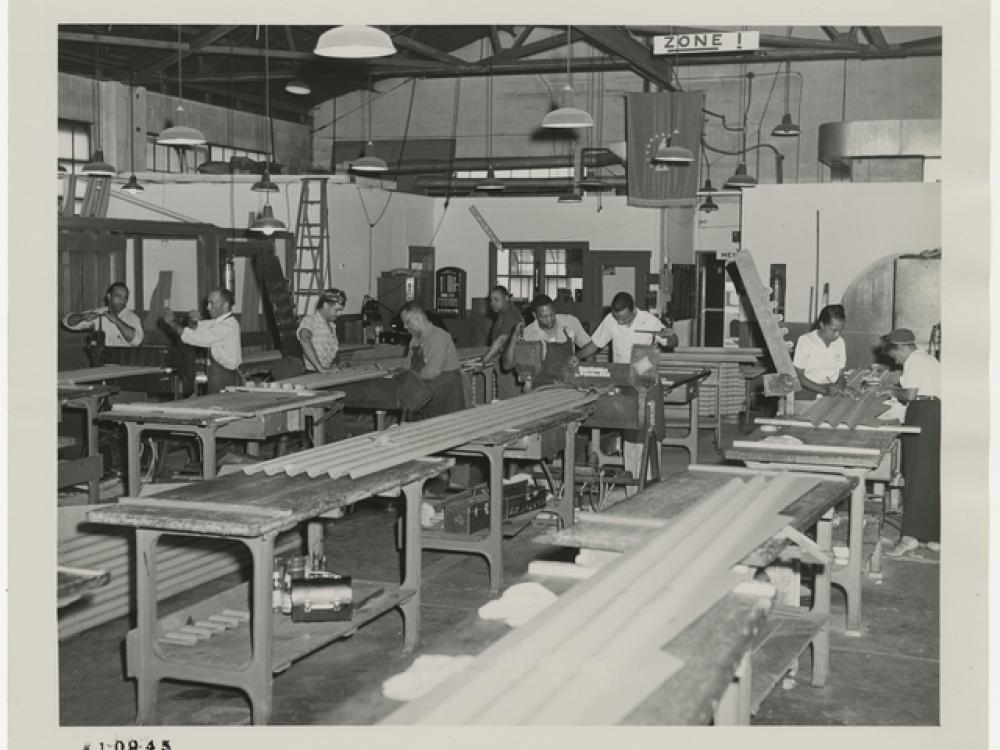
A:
(321, 596)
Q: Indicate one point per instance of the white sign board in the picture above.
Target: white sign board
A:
(709, 41)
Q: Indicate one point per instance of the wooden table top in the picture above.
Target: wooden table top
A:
(817, 446)
(238, 505)
(676, 494)
(106, 372)
(73, 393)
(219, 407)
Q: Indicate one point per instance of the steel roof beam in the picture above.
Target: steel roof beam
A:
(614, 41)
(212, 35)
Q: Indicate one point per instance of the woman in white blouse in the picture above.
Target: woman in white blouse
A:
(820, 355)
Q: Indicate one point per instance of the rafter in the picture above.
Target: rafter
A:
(519, 39)
(495, 41)
(212, 35)
(874, 36)
(640, 58)
(831, 32)
(426, 50)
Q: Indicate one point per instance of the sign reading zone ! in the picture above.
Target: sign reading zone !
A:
(710, 41)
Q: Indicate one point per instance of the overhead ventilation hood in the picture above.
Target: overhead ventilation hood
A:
(841, 143)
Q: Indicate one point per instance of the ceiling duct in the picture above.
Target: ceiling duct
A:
(591, 158)
(840, 143)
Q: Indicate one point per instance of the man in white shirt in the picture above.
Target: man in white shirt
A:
(921, 376)
(119, 326)
(220, 334)
(559, 334)
(623, 328)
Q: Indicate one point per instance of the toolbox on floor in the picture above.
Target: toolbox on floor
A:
(467, 512)
(322, 598)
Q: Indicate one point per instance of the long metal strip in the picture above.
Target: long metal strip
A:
(430, 436)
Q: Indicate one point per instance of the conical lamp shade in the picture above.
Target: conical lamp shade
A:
(787, 128)
(132, 186)
(298, 87)
(740, 178)
(672, 155)
(354, 42)
(491, 184)
(568, 116)
(264, 184)
(97, 167)
(573, 196)
(368, 162)
(266, 224)
(181, 135)
(709, 205)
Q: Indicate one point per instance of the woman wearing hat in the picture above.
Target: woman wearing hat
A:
(920, 381)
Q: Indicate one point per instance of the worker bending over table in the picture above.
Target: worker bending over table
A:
(821, 356)
(561, 335)
(625, 327)
(112, 324)
(921, 380)
(220, 334)
(317, 331)
(434, 359)
(505, 321)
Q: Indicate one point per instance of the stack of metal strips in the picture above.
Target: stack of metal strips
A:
(846, 412)
(331, 378)
(378, 451)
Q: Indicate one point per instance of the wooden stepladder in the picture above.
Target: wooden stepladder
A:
(785, 381)
(311, 273)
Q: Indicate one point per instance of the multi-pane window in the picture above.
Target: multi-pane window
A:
(541, 268)
(508, 174)
(225, 153)
(169, 159)
(73, 151)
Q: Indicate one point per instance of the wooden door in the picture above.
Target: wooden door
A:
(610, 272)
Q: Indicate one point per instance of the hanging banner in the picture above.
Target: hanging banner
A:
(650, 121)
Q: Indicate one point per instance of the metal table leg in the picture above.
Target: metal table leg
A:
(821, 602)
(146, 673)
(848, 576)
(133, 438)
(412, 548)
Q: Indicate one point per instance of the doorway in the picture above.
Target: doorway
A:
(612, 272)
(718, 301)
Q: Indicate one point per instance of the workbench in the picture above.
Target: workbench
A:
(253, 510)
(90, 467)
(853, 453)
(533, 440)
(733, 655)
(683, 387)
(107, 373)
(234, 414)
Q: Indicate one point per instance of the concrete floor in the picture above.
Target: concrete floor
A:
(889, 676)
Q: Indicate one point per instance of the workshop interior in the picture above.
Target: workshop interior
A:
(498, 375)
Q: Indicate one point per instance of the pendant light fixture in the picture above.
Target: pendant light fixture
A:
(670, 154)
(709, 205)
(491, 184)
(97, 167)
(179, 134)
(354, 42)
(571, 196)
(369, 163)
(265, 223)
(132, 186)
(265, 184)
(298, 87)
(568, 116)
(741, 178)
(787, 128)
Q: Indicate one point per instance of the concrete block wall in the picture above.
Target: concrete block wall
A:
(876, 89)
(153, 112)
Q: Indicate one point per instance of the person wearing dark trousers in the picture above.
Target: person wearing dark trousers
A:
(506, 319)
(920, 384)
(220, 334)
(433, 358)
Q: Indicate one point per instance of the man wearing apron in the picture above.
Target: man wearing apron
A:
(220, 335)
(561, 335)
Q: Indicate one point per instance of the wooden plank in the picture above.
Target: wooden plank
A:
(887, 426)
(803, 448)
(105, 372)
(234, 507)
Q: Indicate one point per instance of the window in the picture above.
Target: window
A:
(514, 174)
(73, 151)
(225, 153)
(527, 269)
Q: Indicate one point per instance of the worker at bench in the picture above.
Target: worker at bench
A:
(433, 358)
(561, 335)
(220, 334)
(318, 331)
(624, 327)
(113, 324)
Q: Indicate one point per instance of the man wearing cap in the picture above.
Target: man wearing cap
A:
(317, 332)
(920, 381)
